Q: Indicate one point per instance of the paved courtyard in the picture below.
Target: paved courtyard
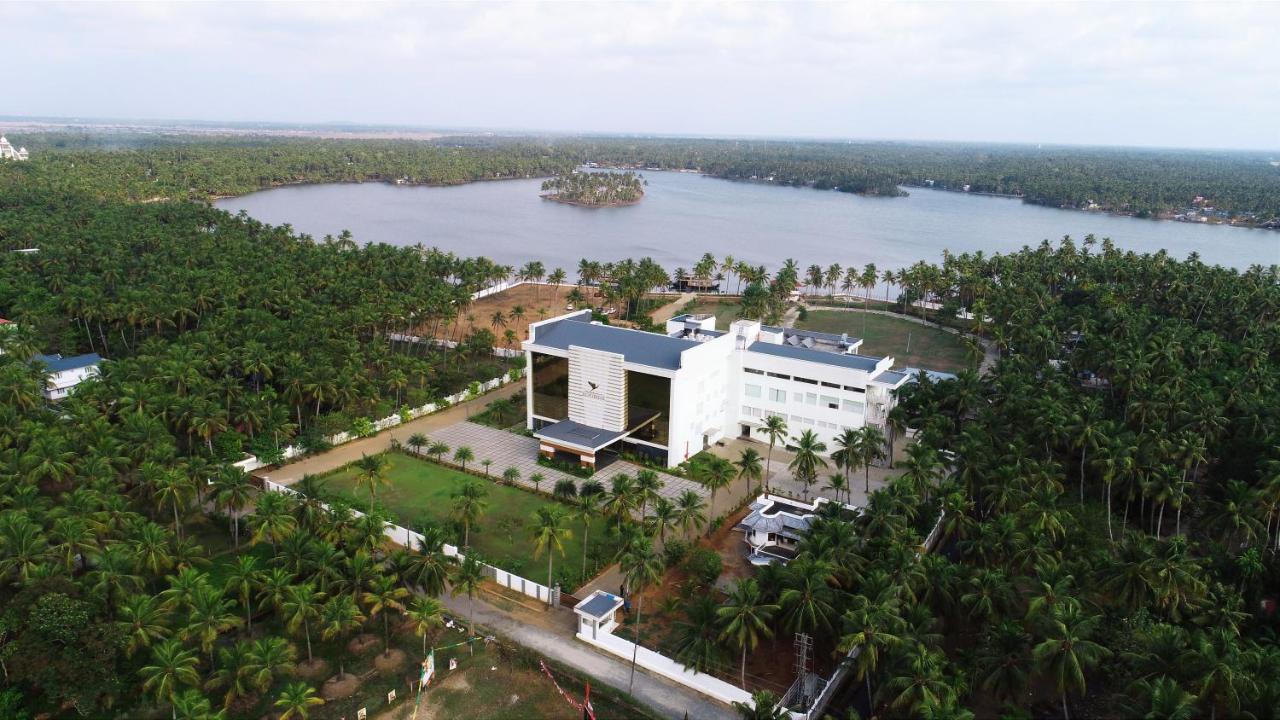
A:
(508, 449)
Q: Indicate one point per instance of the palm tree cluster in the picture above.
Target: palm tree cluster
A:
(622, 283)
(236, 335)
(1107, 499)
(595, 189)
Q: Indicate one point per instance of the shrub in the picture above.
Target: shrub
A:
(704, 566)
(675, 552)
(228, 446)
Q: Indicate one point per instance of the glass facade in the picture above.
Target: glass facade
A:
(648, 396)
(550, 386)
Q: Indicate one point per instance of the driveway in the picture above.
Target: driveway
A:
(666, 698)
(427, 425)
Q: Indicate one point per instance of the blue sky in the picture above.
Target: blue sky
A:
(1181, 74)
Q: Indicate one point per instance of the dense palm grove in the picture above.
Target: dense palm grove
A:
(1109, 491)
(595, 188)
(1111, 503)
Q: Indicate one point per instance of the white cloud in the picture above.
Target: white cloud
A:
(1176, 74)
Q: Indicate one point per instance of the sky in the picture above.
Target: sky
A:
(1172, 74)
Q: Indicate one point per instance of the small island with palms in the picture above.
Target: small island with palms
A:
(595, 189)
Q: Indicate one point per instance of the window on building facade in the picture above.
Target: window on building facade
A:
(805, 380)
(753, 371)
(854, 389)
(830, 402)
(853, 407)
(830, 385)
(776, 395)
(649, 407)
(779, 376)
(811, 398)
(753, 391)
(550, 386)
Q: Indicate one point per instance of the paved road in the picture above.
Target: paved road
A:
(665, 697)
(344, 454)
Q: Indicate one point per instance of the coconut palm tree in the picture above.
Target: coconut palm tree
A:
(296, 700)
(588, 508)
(549, 533)
(698, 645)
(1067, 652)
(467, 577)
(808, 603)
(746, 617)
(690, 513)
(426, 614)
(242, 580)
(417, 441)
(301, 609)
(269, 658)
(429, 566)
(339, 616)
(647, 484)
(748, 464)
(641, 567)
(142, 620)
(873, 628)
(537, 478)
(462, 456)
(715, 474)
(776, 428)
(383, 597)
(469, 505)
(438, 449)
(870, 448)
(764, 705)
(171, 668)
(209, 614)
(808, 459)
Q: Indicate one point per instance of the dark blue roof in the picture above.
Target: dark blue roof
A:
(575, 433)
(855, 362)
(57, 363)
(890, 377)
(599, 605)
(636, 346)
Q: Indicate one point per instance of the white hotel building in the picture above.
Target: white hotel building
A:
(593, 389)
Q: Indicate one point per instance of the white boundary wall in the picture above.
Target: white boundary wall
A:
(251, 463)
(409, 539)
(668, 668)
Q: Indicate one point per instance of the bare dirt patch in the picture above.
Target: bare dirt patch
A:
(312, 669)
(362, 644)
(388, 663)
(338, 687)
(536, 302)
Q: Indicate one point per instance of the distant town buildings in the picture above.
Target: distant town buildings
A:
(8, 152)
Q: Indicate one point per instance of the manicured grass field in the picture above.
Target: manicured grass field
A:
(418, 491)
(931, 348)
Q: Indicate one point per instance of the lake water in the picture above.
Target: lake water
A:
(684, 215)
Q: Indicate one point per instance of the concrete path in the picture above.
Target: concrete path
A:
(668, 311)
(667, 698)
(349, 452)
(507, 449)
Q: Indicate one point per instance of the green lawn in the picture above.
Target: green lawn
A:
(931, 348)
(419, 491)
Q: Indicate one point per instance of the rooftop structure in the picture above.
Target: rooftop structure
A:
(65, 373)
(597, 614)
(775, 526)
(594, 390)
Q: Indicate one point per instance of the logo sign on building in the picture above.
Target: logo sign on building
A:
(597, 389)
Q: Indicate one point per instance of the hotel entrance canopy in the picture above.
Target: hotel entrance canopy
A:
(576, 436)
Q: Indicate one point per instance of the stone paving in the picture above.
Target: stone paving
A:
(507, 449)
